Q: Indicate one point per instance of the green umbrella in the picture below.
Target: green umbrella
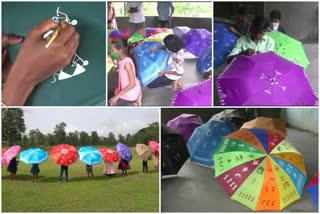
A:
(289, 48)
(136, 37)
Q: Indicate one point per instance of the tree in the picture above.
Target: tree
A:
(146, 134)
(121, 138)
(36, 138)
(72, 138)
(95, 140)
(84, 139)
(50, 140)
(25, 139)
(111, 140)
(13, 125)
(60, 133)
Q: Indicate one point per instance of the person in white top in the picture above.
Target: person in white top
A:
(174, 45)
(136, 19)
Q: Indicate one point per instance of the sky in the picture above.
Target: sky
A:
(116, 120)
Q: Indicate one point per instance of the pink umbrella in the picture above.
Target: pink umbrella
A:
(9, 154)
(197, 95)
(154, 145)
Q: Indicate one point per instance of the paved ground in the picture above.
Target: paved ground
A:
(196, 190)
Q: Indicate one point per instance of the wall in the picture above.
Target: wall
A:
(300, 19)
(302, 118)
(152, 21)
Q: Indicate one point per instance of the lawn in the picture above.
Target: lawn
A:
(135, 192)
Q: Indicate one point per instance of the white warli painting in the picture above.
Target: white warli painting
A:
(77, 61)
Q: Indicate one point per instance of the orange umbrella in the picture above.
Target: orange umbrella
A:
(271, 124)
(109, 155)
(64, 154)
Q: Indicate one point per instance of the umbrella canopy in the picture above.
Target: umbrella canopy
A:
(205, 140)
(9, 154)
(197, 41)
(196, 95)
(260, 169)
(272, 124)
(236, 116)
(174, 152)
(157, 37)
(313, 188)
(136, 37)
(109, 155)
(181, 31)
(155, 146)
(33, 156)
(224, 42)
(144, 152)
(124, 152)
(3, 150)
(265, 79)
(149, 31)
(184, 124)
(204, 63)
(289, 48)
(90, 155)
(64, 154)
(150, 64)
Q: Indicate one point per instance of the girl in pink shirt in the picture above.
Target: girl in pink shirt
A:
(128, 91)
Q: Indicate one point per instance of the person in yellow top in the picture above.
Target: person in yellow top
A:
(255, 41)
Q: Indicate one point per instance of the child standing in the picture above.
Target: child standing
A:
(89, 171)
(35, 170)
(174, 45)
(112, 23)
(128, 91)
(144, 166)
(63, 168)
(124, 166)
(13, 168)
(109, 169)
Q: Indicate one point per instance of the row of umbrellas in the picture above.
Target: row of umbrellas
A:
(65, 154)
(256, 165)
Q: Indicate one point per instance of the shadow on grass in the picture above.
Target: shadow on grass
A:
(22, 177)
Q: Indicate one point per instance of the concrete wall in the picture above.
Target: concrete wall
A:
(302, 118)
(300, 19)
(152, 21)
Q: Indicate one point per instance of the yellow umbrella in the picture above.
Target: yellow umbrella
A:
(144, 152)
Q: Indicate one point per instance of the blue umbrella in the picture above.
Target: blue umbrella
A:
(149, 64)
(204, 63)
(124, 152)
(224, 42)
(90, 155)
(206, 139)
(33, 156)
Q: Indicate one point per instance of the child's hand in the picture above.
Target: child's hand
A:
(162, 73)
(154, 49)
(113, 101)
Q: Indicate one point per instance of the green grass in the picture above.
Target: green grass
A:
(135, 192)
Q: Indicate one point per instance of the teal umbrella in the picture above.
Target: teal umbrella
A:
(33, 156)
(289, 48)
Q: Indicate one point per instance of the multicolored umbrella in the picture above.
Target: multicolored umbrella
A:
(185, 124)
(144, 152)
(109, 155)
(150, 64)
(260, 169)
(313, 188)
(157, 37)
(149, 31)
(205, 140)
(155, 146)
(174, 152)
(124, 152)
(224, 42)
(265, 79)
(199, 94)
(9, 154)
(90, 155)
(273, 124)
(33, 156)
(181, 31)
(64, 154)
(289, 48)
(135, 38)
(197, 41)
(204, 63)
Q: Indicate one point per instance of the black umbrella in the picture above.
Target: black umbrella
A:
(236, 116)
(174, 152)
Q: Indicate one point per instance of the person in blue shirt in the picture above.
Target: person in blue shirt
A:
(165, 10)
(90, 172)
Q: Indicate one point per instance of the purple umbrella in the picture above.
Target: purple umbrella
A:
(265, 79)
(197, 95)
(197, 41)
(185, 124)
(124, 152)
(181, 31)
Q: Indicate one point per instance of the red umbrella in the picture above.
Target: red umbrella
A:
(154, 145)
(64, 154)
(109, 155)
